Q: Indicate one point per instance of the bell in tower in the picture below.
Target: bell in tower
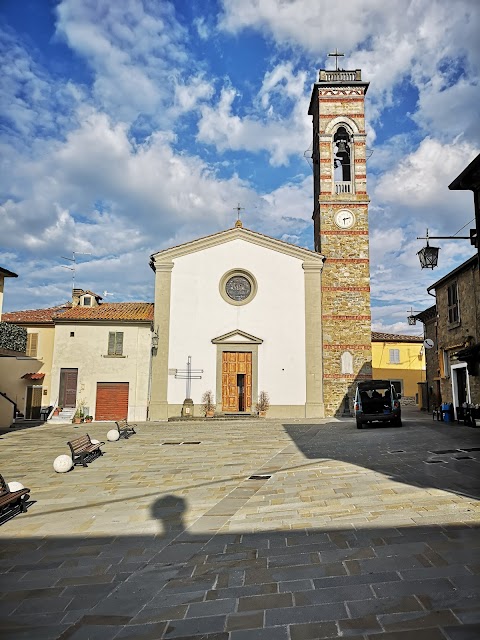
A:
(341, 161)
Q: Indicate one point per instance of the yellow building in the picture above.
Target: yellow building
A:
(402, 359)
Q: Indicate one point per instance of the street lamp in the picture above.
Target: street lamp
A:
(412, 318)
(428, 256)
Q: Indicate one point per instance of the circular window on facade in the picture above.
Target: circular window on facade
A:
(238, 287)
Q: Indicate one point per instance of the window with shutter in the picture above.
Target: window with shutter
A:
(453, 309)
(115, 343)
(394, 356)
(119, 343)
(32, 345)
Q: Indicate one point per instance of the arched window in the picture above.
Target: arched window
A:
(347, 362)
(341, 155)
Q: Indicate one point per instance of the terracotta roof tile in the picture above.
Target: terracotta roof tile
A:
(33, 316)
(126, 311)
(392, 337)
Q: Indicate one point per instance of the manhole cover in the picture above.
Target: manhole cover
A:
(435, 461)
(440, 451)
(259, 477)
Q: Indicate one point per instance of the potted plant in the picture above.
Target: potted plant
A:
(88, 418)
(80, 412)
(263, 404)
(208, 402)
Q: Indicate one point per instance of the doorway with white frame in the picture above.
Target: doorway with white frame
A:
(460, 386)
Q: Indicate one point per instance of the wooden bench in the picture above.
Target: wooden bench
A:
(125, 429)
(11, 501)
(82, 450)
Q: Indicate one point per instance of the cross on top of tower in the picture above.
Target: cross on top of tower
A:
(238, 208)
(336, 55)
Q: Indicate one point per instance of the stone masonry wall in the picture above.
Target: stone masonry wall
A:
(453, 337)
(346, 272)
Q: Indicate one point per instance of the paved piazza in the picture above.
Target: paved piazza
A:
(362, 534)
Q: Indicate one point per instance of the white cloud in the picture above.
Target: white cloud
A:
(134, 49)
(267, 128)
(419, 183)
(390, 42)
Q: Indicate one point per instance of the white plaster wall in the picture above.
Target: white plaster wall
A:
(198, 314)
(86, 352)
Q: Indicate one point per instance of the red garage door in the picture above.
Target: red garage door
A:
(112, 401)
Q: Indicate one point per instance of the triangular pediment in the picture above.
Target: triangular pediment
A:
(237, 337)
(237, 233)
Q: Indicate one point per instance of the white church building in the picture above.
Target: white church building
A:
(246, 309)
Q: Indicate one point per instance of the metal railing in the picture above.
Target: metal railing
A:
(343, 187)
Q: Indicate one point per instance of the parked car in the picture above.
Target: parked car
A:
(377, 401)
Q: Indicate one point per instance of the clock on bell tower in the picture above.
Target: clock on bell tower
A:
(340, 218)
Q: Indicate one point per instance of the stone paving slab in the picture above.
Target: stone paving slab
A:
(355, 533)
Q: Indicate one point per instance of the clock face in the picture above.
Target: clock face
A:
(344, 219)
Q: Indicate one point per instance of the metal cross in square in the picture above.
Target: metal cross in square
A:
(188, 374)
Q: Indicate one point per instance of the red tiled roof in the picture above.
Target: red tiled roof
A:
(126, 311)
(392, 337)
(33, 376)
(33, 316)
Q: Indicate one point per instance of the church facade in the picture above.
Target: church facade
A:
(247, 313)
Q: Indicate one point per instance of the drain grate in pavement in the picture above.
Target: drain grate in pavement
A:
(259, 477)
(440, 451)
(191, 443)
(397, 451)
(471, 449)
(171, 443)
(462, 458)
(435, 462)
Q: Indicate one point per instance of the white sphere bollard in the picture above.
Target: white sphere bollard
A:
(15, 486)
(113, 435)
(93, 441)
(62, 464)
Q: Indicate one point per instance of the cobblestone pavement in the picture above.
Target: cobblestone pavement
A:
(364, 534)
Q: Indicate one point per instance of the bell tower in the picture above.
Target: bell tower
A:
(340, 216)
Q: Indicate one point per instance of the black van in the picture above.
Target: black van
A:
(377, 401)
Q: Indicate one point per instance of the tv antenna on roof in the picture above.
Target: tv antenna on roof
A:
(73, 259)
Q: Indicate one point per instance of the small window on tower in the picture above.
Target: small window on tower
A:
(347, 362)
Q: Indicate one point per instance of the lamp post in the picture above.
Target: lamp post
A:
(428, 256)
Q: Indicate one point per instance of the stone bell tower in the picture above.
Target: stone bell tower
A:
(340, 220)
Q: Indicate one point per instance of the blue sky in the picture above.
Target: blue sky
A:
(128, 127)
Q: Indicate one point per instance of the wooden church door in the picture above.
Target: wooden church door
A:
(237, 381)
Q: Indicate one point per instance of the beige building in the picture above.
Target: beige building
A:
(84, 353)
(26, 378)
(101, 359)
